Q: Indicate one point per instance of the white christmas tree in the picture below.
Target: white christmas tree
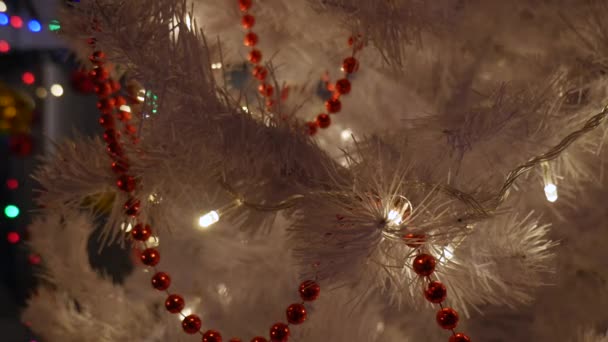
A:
(450, 146)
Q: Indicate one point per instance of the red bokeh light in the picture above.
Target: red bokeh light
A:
(12, 184)
(13, 237)
(16, 22)
(34, 259)
(28, 78)
(4, 46)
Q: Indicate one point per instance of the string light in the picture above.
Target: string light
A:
(446, 254)
(4, 46)
(141, 95)
(394, 217)
(216, 66)
(12, 184)
(11, 211)
(208, 219)
(346, 134)
(126, 227)
(3, 7)
(28, 78)
(54, 25)
(125, 108)
(3, 19)
(16, 21)
(34, 25)
(13, 237)
(56, 90)
(41, 92)
(551, 192)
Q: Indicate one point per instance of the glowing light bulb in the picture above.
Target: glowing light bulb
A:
(216, 66)
(153, 241)
(34, 25)
(446, 254)
(57, 90)
(11, 211)
(394, 217)
(3, 19)
(125, 108)
(188, 22)
(3, 6)
(4, 46)
(186, 312)
(551, 192)
(126, 227)
(208, 219)
(141, 95)
(346, 134)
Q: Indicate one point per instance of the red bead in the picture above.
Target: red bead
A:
(212, 336)
(333, 105)
(150, 257)
(343, 86)
(126, 183)
(460, 337)
(251, 39)
(97, 57)
(296, 314)
(350, 65)
(161, 281)
(259, 339)
(235, 339)
(259, 72)
(106, 121)
(175, 303)
(312, 127)
(447, 318)
(103, 89)
(248, 21)
(279, 332)
(110, 135)
(435, 292)
(120, 166)
(124, 116)
(115, 149)
(115, 85)
(265, 89)
(323, 120)
(424, 264)
(99, 74)
(414, 240)
(191, 324)
(141, 232)
(244, 5)
(119, 101)
(132, 207)
(106, 105)
(309, 290)
(131, 129)
(255, 56)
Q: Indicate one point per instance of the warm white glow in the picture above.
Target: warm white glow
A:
(245, 109)
(186, 311)
(154, 198)
(141, 95)
(126, 227)
(188, 22)
(153, 241)
(3, 6)
(216, 66)
(551, 192)
(41, 92)
(56, 90)
(394, 217)
(208, 219)
(447, 254)
(125, 108)
(346, 134)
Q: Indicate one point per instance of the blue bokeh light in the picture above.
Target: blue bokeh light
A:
(34, 25)
(3, 19)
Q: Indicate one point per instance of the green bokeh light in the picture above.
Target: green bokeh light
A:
(54, 25)
(11, 211)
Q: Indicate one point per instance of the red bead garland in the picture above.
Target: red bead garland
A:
(296, 314)
(309, 290)
(150, 257)
(259, 339)
(191, 324)
(447, 318)
(175, 303)
(460, 337)
(342, 87)
(424, 264)
(212, 336)
(279, 332)
(161, 281)
(435, 292)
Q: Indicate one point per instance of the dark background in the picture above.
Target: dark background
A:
(25, 136)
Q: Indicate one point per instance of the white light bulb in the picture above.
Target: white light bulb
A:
(125, 108)
(216, 66)
(188, 22)
(153, 241)
(346, 134)
(447, 254)
(208, 219)
(56, 90)
(141, 95)
(3, 6)
(551, 192)
(186, 312)
(126, 227)
(394, 217)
